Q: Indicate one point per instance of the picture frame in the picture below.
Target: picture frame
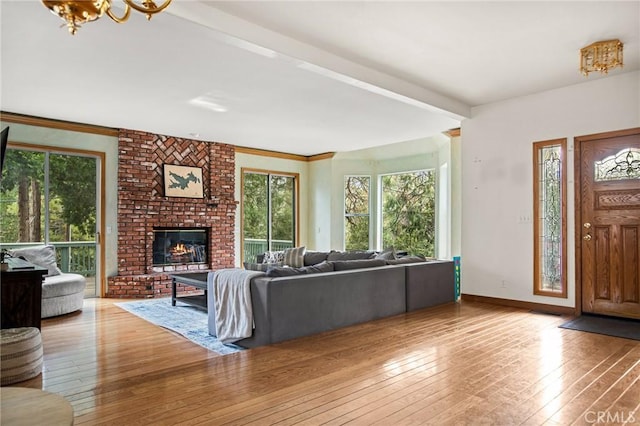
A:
(183, 181)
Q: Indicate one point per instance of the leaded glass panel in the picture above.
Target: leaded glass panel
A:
(550, 217)
(623, 165)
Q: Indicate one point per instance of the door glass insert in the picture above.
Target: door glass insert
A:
(624, 165)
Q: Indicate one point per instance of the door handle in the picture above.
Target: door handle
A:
(587, 225)
(587, 237)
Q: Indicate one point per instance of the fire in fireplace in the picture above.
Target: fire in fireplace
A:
(179, 246)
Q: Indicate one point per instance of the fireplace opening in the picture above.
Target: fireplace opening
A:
(180, 246)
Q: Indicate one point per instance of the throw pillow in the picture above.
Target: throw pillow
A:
(294, 257)
(387, 254)
(273, 257)
(43, 256)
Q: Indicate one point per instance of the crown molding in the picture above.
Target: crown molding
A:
(283, 155)
(10, 117)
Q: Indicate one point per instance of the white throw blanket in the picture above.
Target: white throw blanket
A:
(231, 292)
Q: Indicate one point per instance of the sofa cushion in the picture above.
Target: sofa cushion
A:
(314, 257)
(350, 255)
(319, 268)
(43, 256)
(406, 259)
(345, 265)
(285, 271)
(294, 257)
(387, 254)
(260, 266)
(63, 285)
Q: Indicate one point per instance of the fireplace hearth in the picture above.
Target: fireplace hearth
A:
(180, 246)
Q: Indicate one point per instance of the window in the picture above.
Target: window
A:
(409, 212)
(623, 165)
(356, 212)
(52, 197)
(269, 212)
(549, 218)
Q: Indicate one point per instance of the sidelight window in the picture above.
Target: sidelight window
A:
(550, 245)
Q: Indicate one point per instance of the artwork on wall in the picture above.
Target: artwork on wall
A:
(183, 181)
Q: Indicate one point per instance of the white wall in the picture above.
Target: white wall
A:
(497, 186)
(108, 145)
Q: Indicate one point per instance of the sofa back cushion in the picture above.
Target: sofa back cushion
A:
(406, 259)
(350, 255)
(315, 257)
(260, 266)
(283, 271)
(345, 265)
(43, 256)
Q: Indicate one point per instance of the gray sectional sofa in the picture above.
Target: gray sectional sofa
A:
(351, 292)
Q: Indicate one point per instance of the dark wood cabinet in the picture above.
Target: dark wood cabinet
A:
(21, 294)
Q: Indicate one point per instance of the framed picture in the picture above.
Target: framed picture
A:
(183, 181)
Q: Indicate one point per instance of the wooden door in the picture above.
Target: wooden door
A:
(608, 226)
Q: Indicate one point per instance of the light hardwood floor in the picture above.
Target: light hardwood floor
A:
(469, 363)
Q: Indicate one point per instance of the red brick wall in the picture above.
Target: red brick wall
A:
(143, 206)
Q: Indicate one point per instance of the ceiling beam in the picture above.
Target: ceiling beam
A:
(249, 36)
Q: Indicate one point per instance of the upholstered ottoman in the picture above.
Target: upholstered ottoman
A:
(62, 294)
(20, 354)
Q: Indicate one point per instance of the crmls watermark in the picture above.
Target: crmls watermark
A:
(604, 417)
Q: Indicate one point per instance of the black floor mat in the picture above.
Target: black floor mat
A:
(611, 326)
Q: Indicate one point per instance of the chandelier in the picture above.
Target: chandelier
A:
(601, 56)
(76, 12)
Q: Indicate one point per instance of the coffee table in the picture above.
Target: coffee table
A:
(197, 280)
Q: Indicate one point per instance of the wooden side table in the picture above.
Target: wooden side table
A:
(26, 406)
(21, 294)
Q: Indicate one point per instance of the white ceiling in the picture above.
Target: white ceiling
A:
(301, 77)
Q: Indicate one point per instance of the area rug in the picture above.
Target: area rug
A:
(616, 327)
(185, 320)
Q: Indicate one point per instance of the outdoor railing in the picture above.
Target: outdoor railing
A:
(77, 256)
(254, 247)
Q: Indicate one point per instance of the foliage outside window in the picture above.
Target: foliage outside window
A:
(409, 212)
(269, 212)
(48, 197)
(356, 212)
(550, 263)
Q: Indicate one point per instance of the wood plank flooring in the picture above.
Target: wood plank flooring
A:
(459, 364)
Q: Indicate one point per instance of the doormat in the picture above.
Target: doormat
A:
(611, 326)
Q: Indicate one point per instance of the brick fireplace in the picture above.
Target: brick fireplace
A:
(143, 209)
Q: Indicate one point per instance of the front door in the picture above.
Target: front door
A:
(608, 227)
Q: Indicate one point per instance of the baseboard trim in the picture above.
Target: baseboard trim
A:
(539, 307)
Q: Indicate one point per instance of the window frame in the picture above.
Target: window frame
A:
(380, 204)
(368, 214)
(296, 204)
(537, 249)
